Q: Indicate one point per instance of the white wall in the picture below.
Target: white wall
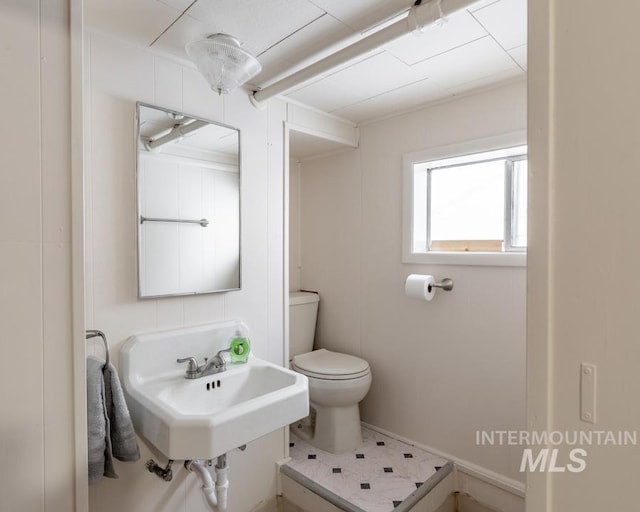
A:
(37, 427)
(444, 369)
(117, 75)
(584, 155)
(294, 225)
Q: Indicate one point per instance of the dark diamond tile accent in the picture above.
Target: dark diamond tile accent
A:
(311, 456)
(291, 445)
(438, 468)
(359, 455)
(380, 443)
(396, 503)
(337, 470)
(365, 485)
(388, 470)
(418, 484)
(408, 455)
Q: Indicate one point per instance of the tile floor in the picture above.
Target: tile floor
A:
(378, 477)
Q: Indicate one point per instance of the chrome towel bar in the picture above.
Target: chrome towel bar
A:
(92, 333)
(203, 222)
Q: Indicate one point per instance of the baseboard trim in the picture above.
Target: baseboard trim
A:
(270, 505)
(279, 465)
(463, 466)
(500, 481)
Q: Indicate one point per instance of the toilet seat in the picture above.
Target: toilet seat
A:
(327, 365)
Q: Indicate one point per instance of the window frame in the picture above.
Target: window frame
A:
(516, 257)
(509, 213)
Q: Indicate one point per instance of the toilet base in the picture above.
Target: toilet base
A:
(336, 430)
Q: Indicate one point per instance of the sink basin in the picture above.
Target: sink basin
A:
(205, 417)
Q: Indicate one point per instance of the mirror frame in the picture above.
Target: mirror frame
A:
(139, 105)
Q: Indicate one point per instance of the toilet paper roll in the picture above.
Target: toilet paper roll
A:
(419, 286)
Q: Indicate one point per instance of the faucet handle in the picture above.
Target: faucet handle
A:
(193, 364)
(220, 359)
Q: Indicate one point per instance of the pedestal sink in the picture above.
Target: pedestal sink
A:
(205, 417)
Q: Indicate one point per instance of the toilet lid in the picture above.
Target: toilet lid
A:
(324, 364)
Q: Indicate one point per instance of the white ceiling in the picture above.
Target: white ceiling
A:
(478, 47)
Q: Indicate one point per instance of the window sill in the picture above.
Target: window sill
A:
(489, 259)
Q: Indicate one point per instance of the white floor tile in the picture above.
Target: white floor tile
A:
(376, 478)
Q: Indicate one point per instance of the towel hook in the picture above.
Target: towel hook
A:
(92, 333)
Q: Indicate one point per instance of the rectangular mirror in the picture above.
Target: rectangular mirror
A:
(188, 184)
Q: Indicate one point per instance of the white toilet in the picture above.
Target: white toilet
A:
(337, 382)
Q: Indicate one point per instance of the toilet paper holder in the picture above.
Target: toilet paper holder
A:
(446, 284)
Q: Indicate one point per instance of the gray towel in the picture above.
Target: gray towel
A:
(123, 437)
(98, 428)
(110, 432)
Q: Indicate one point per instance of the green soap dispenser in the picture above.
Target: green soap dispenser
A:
(240, 348)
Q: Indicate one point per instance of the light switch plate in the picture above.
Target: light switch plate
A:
(588, 392)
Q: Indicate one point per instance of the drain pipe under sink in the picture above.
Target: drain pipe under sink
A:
(216, 497)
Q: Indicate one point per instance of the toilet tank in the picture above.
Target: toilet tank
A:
(303, 312)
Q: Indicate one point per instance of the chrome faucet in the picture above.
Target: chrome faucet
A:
(217, 364)
(211, 366)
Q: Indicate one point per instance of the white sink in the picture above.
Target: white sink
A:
(205, 417)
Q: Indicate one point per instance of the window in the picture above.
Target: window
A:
(469, 209)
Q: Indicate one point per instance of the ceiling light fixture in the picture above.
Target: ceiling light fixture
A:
(223, 62)
(419, 16)
(181, 129)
